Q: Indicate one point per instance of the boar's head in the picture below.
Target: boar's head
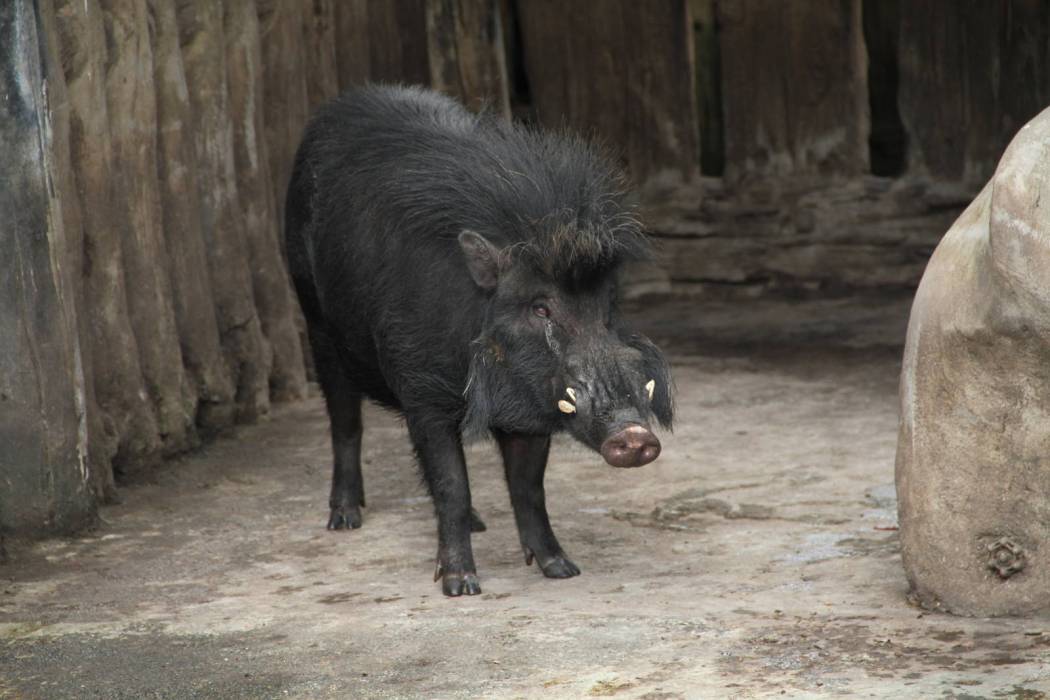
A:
(553, 353)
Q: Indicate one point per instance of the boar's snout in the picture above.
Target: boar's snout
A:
(633, 446)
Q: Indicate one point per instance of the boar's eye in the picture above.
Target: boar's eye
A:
(541, 309)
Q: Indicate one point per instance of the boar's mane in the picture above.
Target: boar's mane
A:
(547, 196)
(574, 218)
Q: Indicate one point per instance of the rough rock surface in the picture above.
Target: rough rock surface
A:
(973, 475)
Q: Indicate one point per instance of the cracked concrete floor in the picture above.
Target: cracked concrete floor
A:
(756, 558)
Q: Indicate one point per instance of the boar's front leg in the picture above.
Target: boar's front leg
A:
(524, 462)
(440, 452)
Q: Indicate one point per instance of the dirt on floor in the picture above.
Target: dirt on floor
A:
(758, 557)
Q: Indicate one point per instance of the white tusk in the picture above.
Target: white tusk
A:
(566, 407)
(650, 388)
(571, 392)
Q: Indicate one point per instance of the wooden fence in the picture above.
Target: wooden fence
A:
(144, 305)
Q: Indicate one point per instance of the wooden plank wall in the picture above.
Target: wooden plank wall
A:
(161, 313)
(795, 90)
(970, 78)
(620, 71)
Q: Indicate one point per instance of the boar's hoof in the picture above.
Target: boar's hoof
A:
(345, 518)
(476, 523)
(559, 566)
(457, 584)
(555, 566)
(634, 446)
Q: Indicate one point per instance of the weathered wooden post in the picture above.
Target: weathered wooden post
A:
(101, 446)
(319, 42)
(127, 414)
(132, 108)
(969, 79)
(465, 51)
(180, 198)
(973, 457)
(397, 41)
(794, 88)
(272, 288)
(352, 46)
(621, 70)
(44, 480)
(286, 106)
(455, 46)
(204, 57)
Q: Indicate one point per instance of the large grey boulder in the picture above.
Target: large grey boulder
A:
(973, 458)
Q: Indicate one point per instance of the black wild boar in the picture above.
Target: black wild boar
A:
(461, 270)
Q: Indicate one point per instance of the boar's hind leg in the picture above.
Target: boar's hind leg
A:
(344, 413)
(524, 462)
(440, 453)
(348, 491)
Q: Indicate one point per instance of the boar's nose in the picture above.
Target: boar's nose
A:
(634, 446)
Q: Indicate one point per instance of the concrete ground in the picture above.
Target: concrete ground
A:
(757, 558)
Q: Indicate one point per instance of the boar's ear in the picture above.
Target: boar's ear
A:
(482, 259)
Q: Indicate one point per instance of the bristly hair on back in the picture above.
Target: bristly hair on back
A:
(570, 249)
(587, 224)
(546, 194)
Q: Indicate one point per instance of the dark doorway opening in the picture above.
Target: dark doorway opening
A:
(888, 142)
(708, 67)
